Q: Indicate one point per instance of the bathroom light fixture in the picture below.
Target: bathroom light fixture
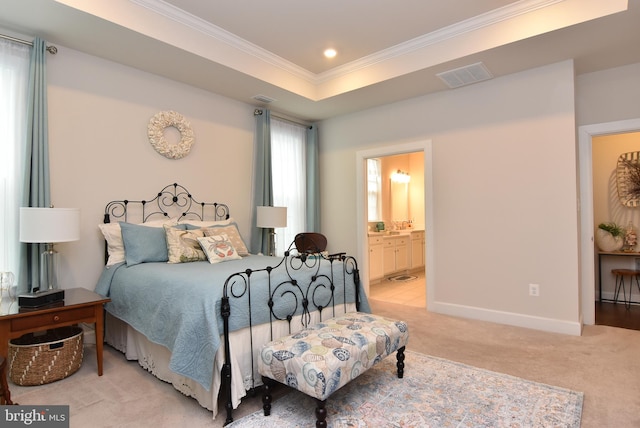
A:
(400, 177)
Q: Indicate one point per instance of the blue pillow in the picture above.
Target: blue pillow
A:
(144, 244)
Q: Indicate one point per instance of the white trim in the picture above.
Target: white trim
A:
(587, 253)
(458, 29)
(510, 318)
(502, 14)
(361, 212)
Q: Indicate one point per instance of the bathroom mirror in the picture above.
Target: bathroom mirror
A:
(399, 201)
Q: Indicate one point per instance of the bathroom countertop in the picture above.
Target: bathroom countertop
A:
(394, 232)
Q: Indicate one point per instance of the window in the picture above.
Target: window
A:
(14, 75)
(288, 161)
(374, 190)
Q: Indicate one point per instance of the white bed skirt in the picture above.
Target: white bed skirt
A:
(155, 358)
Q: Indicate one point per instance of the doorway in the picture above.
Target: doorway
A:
(608, 208)
(362, 212)
(585, 160)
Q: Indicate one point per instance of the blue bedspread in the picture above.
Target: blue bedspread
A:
(178, 305)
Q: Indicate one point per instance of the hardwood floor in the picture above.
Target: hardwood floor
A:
(617, 315)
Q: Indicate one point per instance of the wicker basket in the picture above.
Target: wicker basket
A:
(37, 358)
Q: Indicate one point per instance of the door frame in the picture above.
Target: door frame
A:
(425, 146)
(587, 251)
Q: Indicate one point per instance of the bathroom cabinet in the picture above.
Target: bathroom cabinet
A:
(417, 249)
(376, 251)
(391, 254)
(396, 254)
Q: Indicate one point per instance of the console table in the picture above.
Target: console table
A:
(602, 254)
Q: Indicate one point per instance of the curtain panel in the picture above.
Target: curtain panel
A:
(37, 191)
(263, 185)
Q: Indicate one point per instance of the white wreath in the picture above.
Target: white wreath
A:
(159, 123)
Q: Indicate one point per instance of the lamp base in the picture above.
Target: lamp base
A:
(40, 298)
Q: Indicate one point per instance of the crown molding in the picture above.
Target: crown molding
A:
(493, 17)
(505, 13)
(180, 16)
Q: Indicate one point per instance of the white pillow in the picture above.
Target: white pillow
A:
(113, 235)
(218, 248)
(115, 246)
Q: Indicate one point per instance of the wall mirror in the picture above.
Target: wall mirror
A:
(399, 200)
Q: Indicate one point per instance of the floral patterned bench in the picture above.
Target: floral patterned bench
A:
(324, 357)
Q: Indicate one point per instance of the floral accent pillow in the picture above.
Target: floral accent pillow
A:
(218, 248)
(232, 233)
(183, 245)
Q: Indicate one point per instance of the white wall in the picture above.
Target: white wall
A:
(99, 151)
(504, 178)
(608, 95)
(606, 103)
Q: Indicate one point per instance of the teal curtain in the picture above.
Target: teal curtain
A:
(313, 180)
(36, 169)
(263, 185)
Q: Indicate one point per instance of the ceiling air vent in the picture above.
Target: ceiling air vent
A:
(466, 75)
(263, 99)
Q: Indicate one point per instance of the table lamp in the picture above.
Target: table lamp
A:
(271, 218)
(49, 226)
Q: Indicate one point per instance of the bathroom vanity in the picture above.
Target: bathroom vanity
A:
(395, 251)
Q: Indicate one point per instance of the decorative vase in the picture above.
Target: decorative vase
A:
(607, 242)
(630, 238)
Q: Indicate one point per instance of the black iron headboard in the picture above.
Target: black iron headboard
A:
(172, 201)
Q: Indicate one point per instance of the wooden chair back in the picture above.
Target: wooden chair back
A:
(310, 242)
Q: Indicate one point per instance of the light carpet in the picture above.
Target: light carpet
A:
(433, 393)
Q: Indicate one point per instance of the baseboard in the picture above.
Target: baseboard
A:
(609, 295)
(508, 318)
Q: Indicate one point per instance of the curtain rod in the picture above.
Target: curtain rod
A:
(258, 112)
(51, 49)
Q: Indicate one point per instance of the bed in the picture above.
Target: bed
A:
(193, 306)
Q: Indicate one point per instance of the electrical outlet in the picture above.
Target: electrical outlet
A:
(534, 290)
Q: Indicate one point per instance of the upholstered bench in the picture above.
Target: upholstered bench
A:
(324, 357)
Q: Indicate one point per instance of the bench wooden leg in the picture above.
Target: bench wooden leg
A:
(400, 364)
(321, 414)
(266, 396)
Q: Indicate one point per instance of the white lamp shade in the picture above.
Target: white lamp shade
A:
(271, 217)
(49, 225)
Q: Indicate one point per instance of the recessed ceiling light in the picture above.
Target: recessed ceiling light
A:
(330, 53)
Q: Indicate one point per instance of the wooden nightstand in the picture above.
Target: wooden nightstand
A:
(80, 305)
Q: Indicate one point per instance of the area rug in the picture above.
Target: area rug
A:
(433, 393)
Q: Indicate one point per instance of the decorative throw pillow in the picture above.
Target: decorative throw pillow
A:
(183, 245)
(144, 244)
(113, 235)
(218, 248)
(232, 233)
